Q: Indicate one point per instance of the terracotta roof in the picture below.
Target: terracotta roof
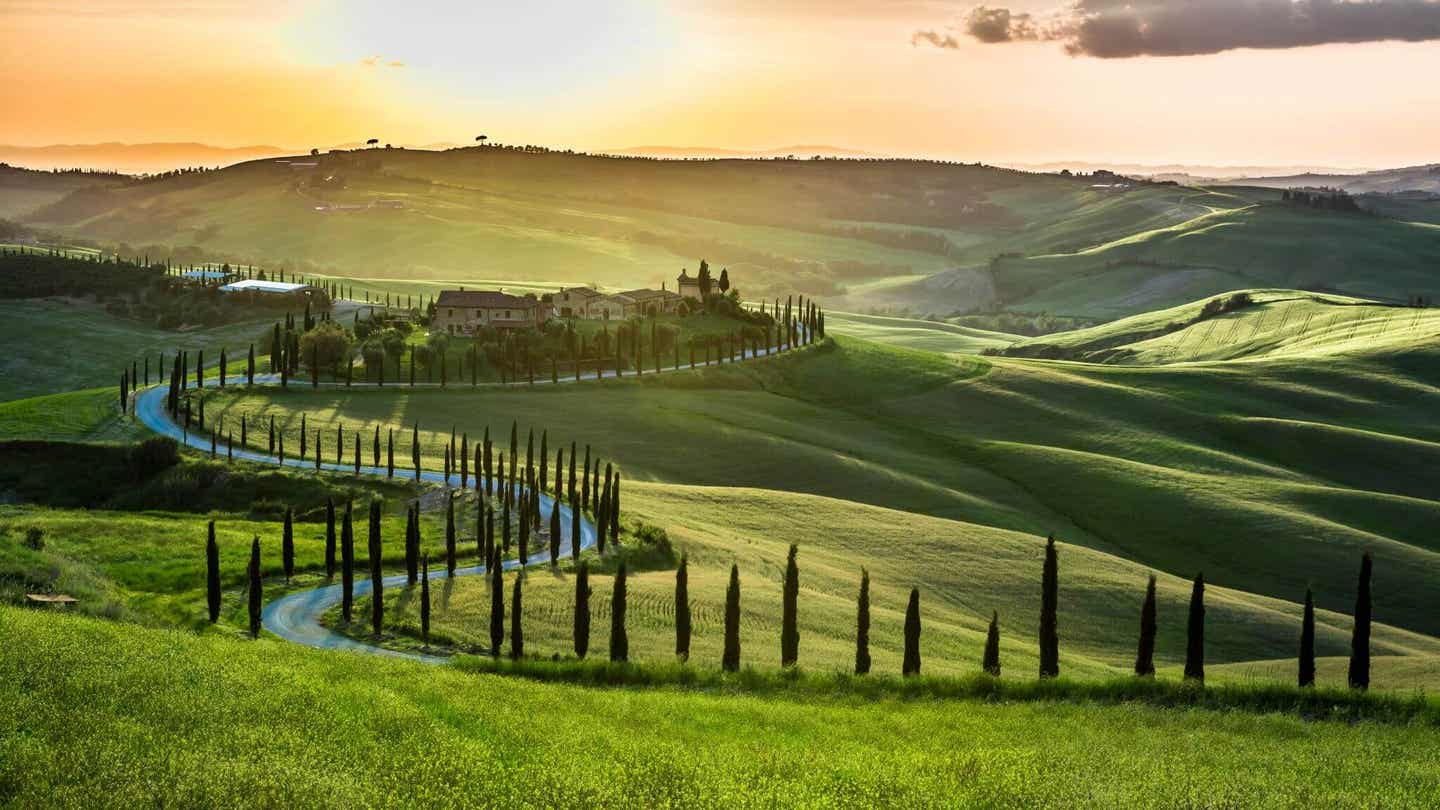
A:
(482, 299)
(588, 292)
(643, 295)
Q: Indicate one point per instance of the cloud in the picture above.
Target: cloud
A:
(1117, 29)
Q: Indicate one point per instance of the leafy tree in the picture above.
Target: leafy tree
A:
(212, 574)
(619, 641)
(682, 610)
(1359, 675)
(789, 631)
(517, 634)
(497, 606)
(1145, 655)
(862, 626)
(1195, 633)
(1049, 602)
(582, 610)
(730, 660)
(377, 579)
(255, 595)
(287, 544)
(991, 662)
(1307, 642)
(911, 663)
(347, 566)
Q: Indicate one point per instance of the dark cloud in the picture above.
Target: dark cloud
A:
(1112, 29)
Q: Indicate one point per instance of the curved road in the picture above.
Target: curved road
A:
(296, 617)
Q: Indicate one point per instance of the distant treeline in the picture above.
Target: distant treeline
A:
(1324, 199)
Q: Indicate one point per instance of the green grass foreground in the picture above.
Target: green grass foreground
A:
(94, 713)
(1310, 704)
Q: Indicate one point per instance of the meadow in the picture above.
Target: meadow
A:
(270, 723)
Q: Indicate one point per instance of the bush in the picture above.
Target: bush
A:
(154, 455)
(35, 538)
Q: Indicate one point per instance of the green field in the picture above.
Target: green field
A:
(244, 723)
(913, 333)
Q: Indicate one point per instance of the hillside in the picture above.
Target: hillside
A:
(1382, 181)
(23, 191)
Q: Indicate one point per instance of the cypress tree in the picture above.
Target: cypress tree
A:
(329, 538)
(489, 532)
(340, 444)
(390, 453)
(572, 473)
(1145, 655)
(1359, 675)
(357, 452)
(582, 610)
(559, 473)
(730, 659)
(524, 515)
(619, 642)
(614, 520)
(347, 566)
(223, 364)
(287, 544)
(789, 631)
(911, 664)
(1195, 633)
(489, 458)
(862, 626)
(517, 634)
(415, 449)
(212, 574)
(1049, 604)
(425, 601)
(497, 606)
(574, 526)
(377, 580)
(584, 480)
(255, 595)
(505, 525)
(554, 533)
(270, 447)
(412, 543)
(244, 430)
(303, 432)
(991, 663)
(544, 457)
(464, 460)
(375, 449)
(1307, 642)
(449, 535)
(602, 514)
(682, 610)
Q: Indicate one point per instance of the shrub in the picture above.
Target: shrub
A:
(153, 456)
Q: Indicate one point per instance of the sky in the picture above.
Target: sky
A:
(1221, 82)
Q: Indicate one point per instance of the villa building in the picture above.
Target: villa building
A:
(462, 312)
(575, 302)
(586, 303)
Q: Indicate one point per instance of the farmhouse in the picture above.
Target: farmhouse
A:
(587, 303)
(575, 302)
(462, 312)
(687, 285)
(646, 302)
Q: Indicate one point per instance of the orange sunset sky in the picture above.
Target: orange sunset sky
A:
(741, 74)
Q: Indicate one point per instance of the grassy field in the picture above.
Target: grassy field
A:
(54, 346)
(269, 723)
(914, 333)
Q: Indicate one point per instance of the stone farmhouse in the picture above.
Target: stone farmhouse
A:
(462, 312)
(586, 303)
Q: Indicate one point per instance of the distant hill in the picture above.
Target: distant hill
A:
(802, 151)
(1410, 178)
(134, 158)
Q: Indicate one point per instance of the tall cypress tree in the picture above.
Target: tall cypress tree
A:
(1195, 633)
(390, 453)
(1307, 642)
(412, 543)
(613, 522)
(287, 544)
(619, 641)
(544, 459)
(584, 481)
(1049, 605)
(377, 579)
(250, 366)
(1145, 655)
(212, 574)
(347, 566)
(425, 601)
(517, 634)
(329, 538)
(450, 535)
(991, 663)
(554, 533)
(497, 606)
(490, 533)
(682, 609)
(572, 472)
(789, 629)
(575, 541)
(862, 625)
(582, 610)
(375, 449)
(255, 595)
(1359, 676)
(911, 664)
(730, 659)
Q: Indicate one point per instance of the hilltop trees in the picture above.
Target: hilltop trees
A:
(862, 626)
(789, 632)
(1145, 655)
(682, 610)
(1359, 673)
(730, 661)
(911, 663)
(582, 611)
(1195, 633)
(1049, 605)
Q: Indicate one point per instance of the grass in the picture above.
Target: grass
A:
(914, 333)
(268, 723)
(91, 415)
(55, 346)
